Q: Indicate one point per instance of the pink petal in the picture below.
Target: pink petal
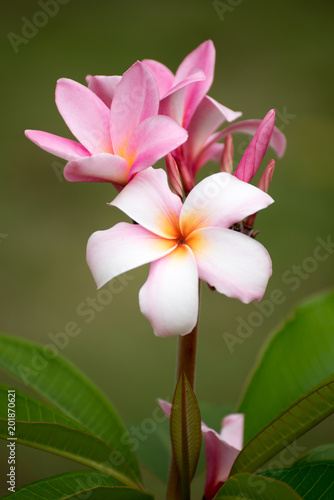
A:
(221, 200)
(148, 200)
(136, 98)
(208, 116)
(203, 57)
(104, 87)
(152, 140)
(162, 75)
(173, 105)
(101, 167)
(169, 298)
(166, 407)
(85, 115)
(58, 146)
(121, 248)
(213, 153)
(232, 431)
(233, 263)
(220, 457)
(254, 154)
(196, 75)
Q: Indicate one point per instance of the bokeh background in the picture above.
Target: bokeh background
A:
(269, 55)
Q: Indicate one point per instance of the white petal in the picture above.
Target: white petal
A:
(169, 298)
(233, 430)
(148, 200)
(121, 248)
(220, 200)
(235, 264)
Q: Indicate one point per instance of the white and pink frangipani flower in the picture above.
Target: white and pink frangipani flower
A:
(221, 450)
(184, 242)
(116, 141)
(181, 94)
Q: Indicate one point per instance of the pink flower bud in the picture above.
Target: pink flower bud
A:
(226, 164)
(174, 175)
(267, 176)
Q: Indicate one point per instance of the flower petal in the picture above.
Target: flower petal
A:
(152, 140)
(166, 407)
(220, 457)
(233, 430)
(148, 200)
(254, 154)
(104, 87)
(203, 57)
(58, 146)
(162, 75)
(196, 75)
(85, 115)
(214, 153)
(173, 105)
(121, 248)
(208, 116)
(169, 298)
(233, 263)
(221, 200)
(101, 167)
(136, 98)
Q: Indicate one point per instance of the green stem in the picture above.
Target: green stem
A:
(186, 361)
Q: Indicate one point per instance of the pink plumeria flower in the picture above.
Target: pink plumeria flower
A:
(184, 98)
(181, 94)
(221, 450)
(184, 242)
(118, 141)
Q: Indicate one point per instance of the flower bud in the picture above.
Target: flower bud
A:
(226, 164)
(267, 176)
(174, 175)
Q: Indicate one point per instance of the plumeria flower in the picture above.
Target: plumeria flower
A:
(184, 242)
(186, 101)
(115, 142)
(221, 450)
(181, 94)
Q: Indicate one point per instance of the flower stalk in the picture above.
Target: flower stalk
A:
(186, 362)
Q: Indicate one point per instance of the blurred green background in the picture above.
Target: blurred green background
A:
(269, 55)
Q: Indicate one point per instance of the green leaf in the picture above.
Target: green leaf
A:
(297, 358)
(325, 452)
(30, 409)
(63, 385)
(243, 486)
(78, 485)
(156, 445)
(306, 412)
(45, 428)
(311, 481)
(185, 428)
